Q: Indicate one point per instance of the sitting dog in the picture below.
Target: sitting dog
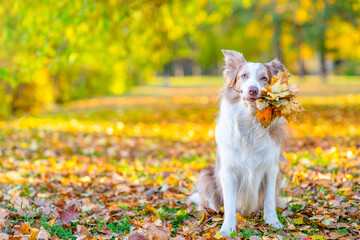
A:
(246, 174)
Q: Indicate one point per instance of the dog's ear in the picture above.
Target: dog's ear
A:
(274, 66)
(233, 62)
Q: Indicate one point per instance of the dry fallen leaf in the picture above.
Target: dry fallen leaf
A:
(4, 236)
(137, 236)
(43, 235)
(277, 100)
(3, 214)
(157, 233)
(25, 228)
(33, 234)
(70, 213)
(52, 221)
(154, 211)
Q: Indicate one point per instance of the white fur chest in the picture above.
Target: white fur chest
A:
(238, 131)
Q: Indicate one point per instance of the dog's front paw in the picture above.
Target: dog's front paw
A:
(226, 230)
(274, 222)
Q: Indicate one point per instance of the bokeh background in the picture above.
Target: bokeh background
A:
(108, 109)
(53, 52)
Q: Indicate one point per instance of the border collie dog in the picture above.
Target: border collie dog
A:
(246, 174)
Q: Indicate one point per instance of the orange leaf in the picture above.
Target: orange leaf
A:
(52, 221)
(25, 228)
(265, 117)
(34, 233)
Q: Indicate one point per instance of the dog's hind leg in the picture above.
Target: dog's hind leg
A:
(210, 195)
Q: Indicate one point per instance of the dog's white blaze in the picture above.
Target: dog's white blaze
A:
(253, 71)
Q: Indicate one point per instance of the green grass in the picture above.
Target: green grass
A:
(120, 226)
(59, 230)
(342, 231)
(248, 232)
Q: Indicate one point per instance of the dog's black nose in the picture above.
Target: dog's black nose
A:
(253, 91)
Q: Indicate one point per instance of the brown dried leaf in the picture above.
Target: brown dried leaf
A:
(70, 213)
(3, 214)
(157, 233)
(137, 236)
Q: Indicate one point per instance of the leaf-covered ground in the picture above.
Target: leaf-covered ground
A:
(122, 168)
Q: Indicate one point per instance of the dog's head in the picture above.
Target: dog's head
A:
(248, 78)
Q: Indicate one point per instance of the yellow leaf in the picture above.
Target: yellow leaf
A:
(203, 218)
(154, 211)
(317, 237)
(239, 217)
(296, 180)
(33, 233)
(298, 221)
(268, 89)
(52, 221)
(218, 235)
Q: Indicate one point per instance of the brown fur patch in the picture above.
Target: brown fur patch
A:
(268, 72)
(231, 95)
(274, 66)
(277, 132)
(209, 190)
(233, 62)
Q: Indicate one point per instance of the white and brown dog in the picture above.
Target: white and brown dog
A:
(246, 173)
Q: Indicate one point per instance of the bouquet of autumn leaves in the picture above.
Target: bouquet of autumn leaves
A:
(278, 99)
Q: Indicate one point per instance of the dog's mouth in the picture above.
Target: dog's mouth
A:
(251, 99)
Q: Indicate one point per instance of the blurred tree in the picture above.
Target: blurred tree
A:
(315, 19)
(88, 48)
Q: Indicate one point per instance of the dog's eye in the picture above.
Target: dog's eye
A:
(243, 76)
(264, 78)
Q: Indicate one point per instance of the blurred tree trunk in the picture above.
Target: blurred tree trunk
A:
(300, 60)
(179, 68)
(277, 34)
(166, 80)
(322, 56)
(323, 24)
(196, 69)
(166, 75)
